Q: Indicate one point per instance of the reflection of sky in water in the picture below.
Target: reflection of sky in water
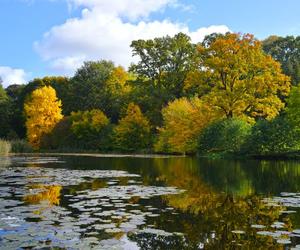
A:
(143, 203)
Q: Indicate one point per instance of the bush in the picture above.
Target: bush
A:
(60, 137)
(20, 146)
(133, 133)
(83, 130)
(5, 147)
(183, 121)
(224, 136)
(91, 128)
(272, 137)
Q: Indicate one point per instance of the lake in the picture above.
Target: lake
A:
(85, 202)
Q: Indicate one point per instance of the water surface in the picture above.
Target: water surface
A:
(83, 202)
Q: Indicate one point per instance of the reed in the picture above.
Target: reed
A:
(5, 147)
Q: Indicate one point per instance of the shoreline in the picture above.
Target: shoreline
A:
(100, 155)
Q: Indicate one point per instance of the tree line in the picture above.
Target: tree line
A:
(230, 93)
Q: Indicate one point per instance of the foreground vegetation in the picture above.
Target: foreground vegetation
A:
(229, 95)
(15, 146)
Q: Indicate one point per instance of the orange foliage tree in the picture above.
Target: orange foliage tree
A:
(235, 76)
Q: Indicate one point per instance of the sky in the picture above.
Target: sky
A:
(54, 37)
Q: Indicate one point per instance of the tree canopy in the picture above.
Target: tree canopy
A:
(98, 85)
(235, 76)
(162, 69)
(133, 131)
(285, 50)
(43, 112)
(183, 120)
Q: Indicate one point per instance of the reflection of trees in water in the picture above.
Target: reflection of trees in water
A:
(92, 185)
(238, 177)
(50, 194)
(204, 210)
(152, 241)
(5, 162)
(275, 176)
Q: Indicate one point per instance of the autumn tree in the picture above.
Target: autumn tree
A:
(133, 131)
(235, 76)
(43, 111)
(183, 120)
(59, 83)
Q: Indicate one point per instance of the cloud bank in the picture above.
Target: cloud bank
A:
(105, 30)
(11, 76)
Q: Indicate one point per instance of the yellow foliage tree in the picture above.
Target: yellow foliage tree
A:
(236, 77)
(133, 131)
(183, 121)
(43, 112)
(86, 123)
(117, 80)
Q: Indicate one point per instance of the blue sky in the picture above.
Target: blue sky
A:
(54, 37)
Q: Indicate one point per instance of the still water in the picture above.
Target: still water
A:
(76, 202)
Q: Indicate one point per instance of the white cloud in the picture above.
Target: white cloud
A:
(11, 76)
(105, 30)
(131, 9)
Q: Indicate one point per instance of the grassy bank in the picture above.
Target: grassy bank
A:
(15, 146)
(5, 147)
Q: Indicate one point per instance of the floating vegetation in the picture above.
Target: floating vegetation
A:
(286, 199)
(31, 214)
(238, 231)
(258, 226)
(44, 204)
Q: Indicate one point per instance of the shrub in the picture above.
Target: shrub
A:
(5, 147)
(60, 137)
(83, 130)
(226, 136)
(183, 121)
(276, 136)
(20, 146)
(133, 133)
(91, 128)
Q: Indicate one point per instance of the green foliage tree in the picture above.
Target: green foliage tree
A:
(133, 133)
(161, 71)
(99, 85)
(17, 121)
(61, 137)
(91, 128)
(272, 137)
(285, 50)
(293, 107)
(5, 113)
(224, 136)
